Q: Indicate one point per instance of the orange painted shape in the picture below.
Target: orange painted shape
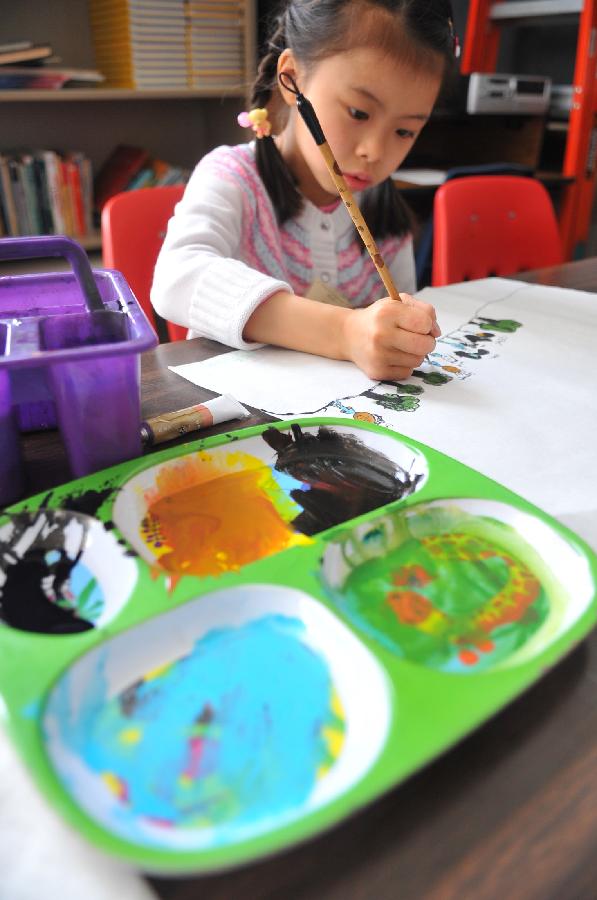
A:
(468, 658)
(410, 608)
(221, 525)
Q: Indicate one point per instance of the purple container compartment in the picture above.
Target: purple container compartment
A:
(69, 353)
(11, 473)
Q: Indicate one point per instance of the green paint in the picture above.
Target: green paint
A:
(449, 599)
(508, 326)
(398, 403)
(409, 389)
(433, 378)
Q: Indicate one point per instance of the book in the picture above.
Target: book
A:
(8, 203)
(27, 176)
(53, 177)
(18, 193)
(25, 54)
(66, 198)
(43, 78)
(43, 195)
(143, 178)
(86, 179)
(15, 45)
(117, 171)
(73, 179)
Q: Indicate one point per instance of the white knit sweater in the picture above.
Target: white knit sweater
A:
(224, 253)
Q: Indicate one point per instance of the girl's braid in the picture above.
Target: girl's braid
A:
(274, 172)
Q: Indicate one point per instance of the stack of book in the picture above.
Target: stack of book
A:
(24, 64)
(215, 42)
(43, 192)
(128, 168)
(145, 44)
(140, 44)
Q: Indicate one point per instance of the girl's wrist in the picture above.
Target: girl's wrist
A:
(347, 323)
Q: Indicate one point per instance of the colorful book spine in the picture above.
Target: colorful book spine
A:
(8, 203)
(54, 189)
(18, 193)
(27, 176)
(43, 196)
(76, 197)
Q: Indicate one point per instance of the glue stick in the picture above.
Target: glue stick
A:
(168, 426)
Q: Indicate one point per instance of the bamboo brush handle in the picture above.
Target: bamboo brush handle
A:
(357, 217)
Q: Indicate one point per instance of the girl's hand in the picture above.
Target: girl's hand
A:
(388, 339)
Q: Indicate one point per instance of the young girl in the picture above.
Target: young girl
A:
(260, 228)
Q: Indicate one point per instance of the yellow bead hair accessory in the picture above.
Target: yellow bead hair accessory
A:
(257, 120)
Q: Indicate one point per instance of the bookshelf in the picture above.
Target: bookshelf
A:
(177, 125)
(73, 94)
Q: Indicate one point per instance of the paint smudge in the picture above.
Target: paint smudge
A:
(215, 512)
(441, 593)
(44, 586)
(341, 476)
(86, 501)
(234, 734)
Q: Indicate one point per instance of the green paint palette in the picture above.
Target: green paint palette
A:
(215, 651)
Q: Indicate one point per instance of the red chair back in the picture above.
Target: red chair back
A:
(492, 225)
(133, 230)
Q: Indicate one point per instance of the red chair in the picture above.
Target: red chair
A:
(133, 230)
(492, 225)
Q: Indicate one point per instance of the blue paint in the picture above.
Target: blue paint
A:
(287, 483)
(221, 740)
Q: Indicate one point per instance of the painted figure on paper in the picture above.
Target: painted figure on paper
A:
(260, 224)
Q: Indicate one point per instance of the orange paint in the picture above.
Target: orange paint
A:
(410, 607)
(411, 575)
(223, 523)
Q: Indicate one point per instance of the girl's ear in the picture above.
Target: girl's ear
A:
(287, 64)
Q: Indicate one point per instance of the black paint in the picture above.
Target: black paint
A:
(346, 478)
(30, 584)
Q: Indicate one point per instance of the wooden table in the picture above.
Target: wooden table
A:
(511, 812)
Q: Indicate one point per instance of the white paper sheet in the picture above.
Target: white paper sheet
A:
(524, 412)
(40, 857)
(277, 381)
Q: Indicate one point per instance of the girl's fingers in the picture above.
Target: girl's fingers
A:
(418, 316)
(410, 343)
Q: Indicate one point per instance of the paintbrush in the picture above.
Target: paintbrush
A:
(310, 119)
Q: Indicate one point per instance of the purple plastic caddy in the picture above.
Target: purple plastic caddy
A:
(69, 356)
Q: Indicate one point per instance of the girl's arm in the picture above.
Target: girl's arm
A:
(387, 340)
(197, 281)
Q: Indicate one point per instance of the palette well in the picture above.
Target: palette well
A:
(216, 651)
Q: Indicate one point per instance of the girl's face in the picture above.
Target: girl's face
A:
(371, 110)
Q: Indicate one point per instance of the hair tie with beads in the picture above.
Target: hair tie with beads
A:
(257, 120)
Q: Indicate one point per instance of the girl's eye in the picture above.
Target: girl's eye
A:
(357, 113)
(405, 133)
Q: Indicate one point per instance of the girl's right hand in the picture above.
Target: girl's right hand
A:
(389, 339)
